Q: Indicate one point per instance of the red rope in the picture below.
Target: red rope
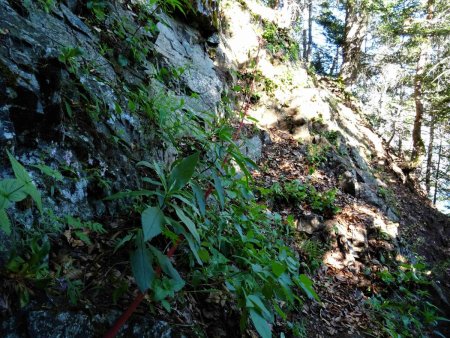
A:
(139, 298)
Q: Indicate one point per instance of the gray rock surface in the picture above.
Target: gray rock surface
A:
(252, 147)
(44, 324)
(71, 324)
(98, 142)
(310, 223)
(181, 48)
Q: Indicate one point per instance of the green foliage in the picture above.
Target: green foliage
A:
(279, 41)
(317, 154)
(30, 267)
(232, 239)
(16, 190)
(332, 136)
(297, 192)
(160, 107)
(314, 250)
(70, 57)
(47, 5)
(81, 229)
(404, 306)
(99, 8)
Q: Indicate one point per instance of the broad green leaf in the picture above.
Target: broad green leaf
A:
(167, 267)
(239, 159)
(5, 223)
(166, 305)
(145, 164)
(23, 176)
(19, 171)
(45, 169)
(219, 189)
(82, 236)
(261, 325)
(189, 223)
(122, 242)
(204, 255)
(187, 202)
(40, 249)
(74, 223)
(160, 174)
(11, 190)
(31, 190)
(278, 269)
(183, 171)
(152, 220)
(279, 311)
(194, 248)
(306, 284)
(200, 197)
(256, 300)
(149, 180)
(142, 268)
(4, 202)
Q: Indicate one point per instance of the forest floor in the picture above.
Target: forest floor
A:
(344, 289)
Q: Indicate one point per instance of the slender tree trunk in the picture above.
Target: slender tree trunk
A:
(305, 30)
(418, 151)
(437, 173)
(394, 130)
(310, 23)
(356, 21)
(334, 65)
(430, 155)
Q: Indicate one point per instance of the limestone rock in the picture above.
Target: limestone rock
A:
(310, 223)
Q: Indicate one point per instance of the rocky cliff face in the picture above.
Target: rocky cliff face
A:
(81, 89)
(64, 98)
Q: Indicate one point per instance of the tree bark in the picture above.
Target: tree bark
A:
(437, 173)
(430, 155)
(334, 65)
(356, 21)
(305, 30)
(418, 151)
(310, 23)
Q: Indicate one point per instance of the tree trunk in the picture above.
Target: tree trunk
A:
(437, 173)
(430, 155)
(334, 65)
(305, 30)
(356, 21)
(310, 22)
(418, 151)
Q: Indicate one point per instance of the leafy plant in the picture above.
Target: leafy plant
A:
(231, 240)
(164, 216)
(295, 191)
(30, 267)
(98, 8)
(317, 154)
(14, 190)
(279, 41)
(68, 56)
(404, 305)
(314, 251)
(47, 5)
(332, 136)
(82, 229)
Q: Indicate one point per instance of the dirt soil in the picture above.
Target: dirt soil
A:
(345, 288)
